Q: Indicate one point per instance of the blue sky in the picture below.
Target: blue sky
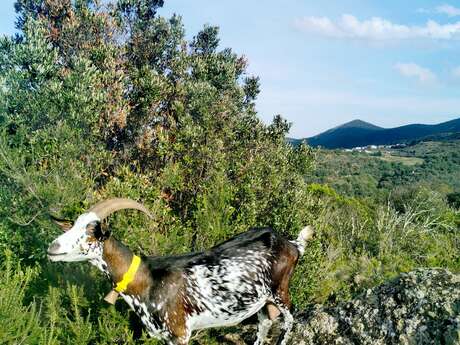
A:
(324, 63)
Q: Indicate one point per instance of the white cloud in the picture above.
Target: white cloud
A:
(451, 11)
(376, 28)
(413, 70)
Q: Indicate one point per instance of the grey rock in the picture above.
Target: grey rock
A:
(420, 307)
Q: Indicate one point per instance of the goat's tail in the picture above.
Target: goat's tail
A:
(305, 234)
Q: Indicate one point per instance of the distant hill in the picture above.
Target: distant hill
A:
(361, 133)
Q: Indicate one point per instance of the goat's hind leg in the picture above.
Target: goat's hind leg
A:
(288, 322)
(282, 271)
(263, 327)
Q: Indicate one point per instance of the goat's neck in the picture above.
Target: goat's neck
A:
(115, 261)
(118, 257)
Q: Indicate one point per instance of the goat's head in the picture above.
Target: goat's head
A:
(84, 239)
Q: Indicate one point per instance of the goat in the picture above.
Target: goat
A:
(175, 295)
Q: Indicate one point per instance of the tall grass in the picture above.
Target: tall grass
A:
(361, 245)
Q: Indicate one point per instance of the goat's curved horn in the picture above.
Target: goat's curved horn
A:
(106, 207)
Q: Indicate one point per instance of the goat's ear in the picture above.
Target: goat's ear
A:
(64, 224)
(101, 231)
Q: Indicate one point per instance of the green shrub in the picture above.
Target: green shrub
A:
(19, 323)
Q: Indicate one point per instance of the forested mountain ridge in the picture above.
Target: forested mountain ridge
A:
(359, 133)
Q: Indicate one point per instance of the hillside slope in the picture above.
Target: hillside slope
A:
(431, 163)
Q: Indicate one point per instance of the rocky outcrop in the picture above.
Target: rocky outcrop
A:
(420, 307)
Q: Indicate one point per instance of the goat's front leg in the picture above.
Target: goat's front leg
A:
(263, 327)
(178, 341)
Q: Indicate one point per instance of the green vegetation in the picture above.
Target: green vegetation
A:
(409, 161)
(432, 164)
(102, 101)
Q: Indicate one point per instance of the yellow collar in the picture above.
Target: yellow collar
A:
(128, 277)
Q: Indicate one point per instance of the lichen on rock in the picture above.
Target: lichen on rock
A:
(420, 307)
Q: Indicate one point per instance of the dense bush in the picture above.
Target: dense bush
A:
(100, 100)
